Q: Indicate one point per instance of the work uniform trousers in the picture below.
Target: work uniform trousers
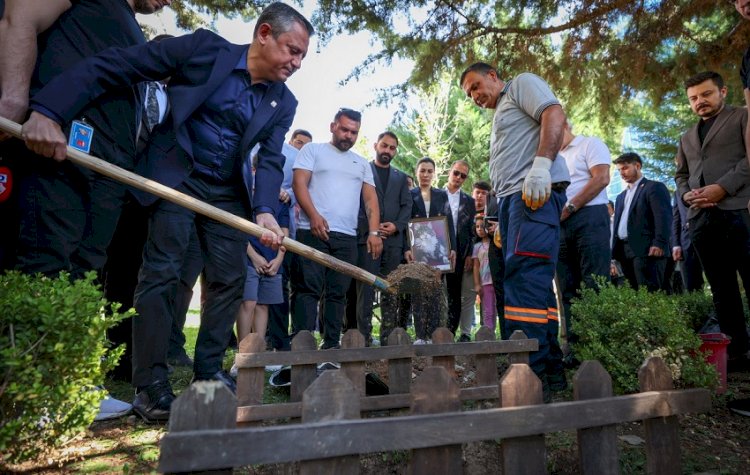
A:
(314, 281)
(223, 251)
(722, 240)
(584, 253)
(531, 241)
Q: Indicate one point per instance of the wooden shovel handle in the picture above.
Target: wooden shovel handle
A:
(244, 225)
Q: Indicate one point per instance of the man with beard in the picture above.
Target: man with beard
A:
(713, 179)
(328, 181)
(394, 203)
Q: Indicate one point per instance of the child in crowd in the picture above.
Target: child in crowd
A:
(483, 276)
(262, 284)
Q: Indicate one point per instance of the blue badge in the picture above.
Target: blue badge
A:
(80, 136)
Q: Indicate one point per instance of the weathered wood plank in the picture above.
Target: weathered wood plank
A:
(399, 369)
(185, 451)
(436, 391)
(368, 403)
(598, 451)
(443, 336)
(204, 405)
(519, 386)
(662, 434)
(331, 397)
(520, 357)
(302, 374)
(354, 370)
(313, 356)
(486, 364)
(250, 381)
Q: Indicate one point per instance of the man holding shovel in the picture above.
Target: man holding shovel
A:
(226, 98)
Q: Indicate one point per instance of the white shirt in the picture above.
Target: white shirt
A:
(335, 185)
(454, 200)
(622, 229)
(581, 155)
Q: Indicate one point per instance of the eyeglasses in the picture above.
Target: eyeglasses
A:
(458, 173)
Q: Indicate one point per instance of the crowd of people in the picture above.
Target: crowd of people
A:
(210, 119)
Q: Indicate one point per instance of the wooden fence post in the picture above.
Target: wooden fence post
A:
(662, 434)
(436, 391)
(597, 446)
(486, 364)
(443, 335)
(519, 386)
(304, 374)
(399, 369)
(250, 381)
(331, 396)
(518, 358)
(354, 370)
(204, 405)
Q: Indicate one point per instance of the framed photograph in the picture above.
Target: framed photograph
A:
(430, 242)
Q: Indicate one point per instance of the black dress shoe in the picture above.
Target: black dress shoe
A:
(181, 359)
(222, 376)
(464, 338)
(154, 401)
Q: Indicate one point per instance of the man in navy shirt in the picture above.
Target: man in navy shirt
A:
(225, 99)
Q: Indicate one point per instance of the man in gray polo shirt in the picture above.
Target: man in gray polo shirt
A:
(527, 131)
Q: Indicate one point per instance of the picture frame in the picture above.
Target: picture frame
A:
(430, 242)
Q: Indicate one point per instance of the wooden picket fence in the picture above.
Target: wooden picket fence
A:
(203, 433)
(252, 359)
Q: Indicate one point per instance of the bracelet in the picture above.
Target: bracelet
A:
(374, 233)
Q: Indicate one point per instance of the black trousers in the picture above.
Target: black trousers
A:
(642, 270)
(454, 283)
(389, 318)
(722, 240)
(222, 249)
(314, 282)
(278, 314)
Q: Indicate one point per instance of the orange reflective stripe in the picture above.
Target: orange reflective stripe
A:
(539, 321)
(526, 310)
(552, 314)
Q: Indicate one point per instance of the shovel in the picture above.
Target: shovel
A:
(136, 181)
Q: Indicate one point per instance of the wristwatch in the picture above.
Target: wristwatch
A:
(374, 233)
(570, 207)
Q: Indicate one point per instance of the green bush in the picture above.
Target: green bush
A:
(621, 327)
(697, 307)
(53, 356)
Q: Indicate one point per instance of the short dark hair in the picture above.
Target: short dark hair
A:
(703, 77)
(356, 116)
(481, 68)
(461, 162)
(282, 18)
(426, 160)
(482, 185)
(629, 157)
(163, 36)
(389, 134)
(302, 132)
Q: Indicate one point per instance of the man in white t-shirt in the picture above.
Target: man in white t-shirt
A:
(584, 228)
(328, 181)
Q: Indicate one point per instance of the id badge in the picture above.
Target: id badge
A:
(80, 136)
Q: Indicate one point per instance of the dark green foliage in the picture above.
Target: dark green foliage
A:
(53, 356)
(621, 327)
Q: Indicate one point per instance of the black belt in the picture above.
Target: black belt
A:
(560, 186)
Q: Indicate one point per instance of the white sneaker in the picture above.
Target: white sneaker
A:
(111, 408)
(273, 367)
(233, 371)
(420, 342)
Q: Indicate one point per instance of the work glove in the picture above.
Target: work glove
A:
(537, 185)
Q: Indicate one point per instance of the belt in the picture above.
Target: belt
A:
(560, 186)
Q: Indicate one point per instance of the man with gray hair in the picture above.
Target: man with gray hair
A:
(225, 98)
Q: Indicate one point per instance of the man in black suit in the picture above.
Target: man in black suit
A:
(643, 216)
(463, 211)
(395, 210)
(225, 98)
(683, 251)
